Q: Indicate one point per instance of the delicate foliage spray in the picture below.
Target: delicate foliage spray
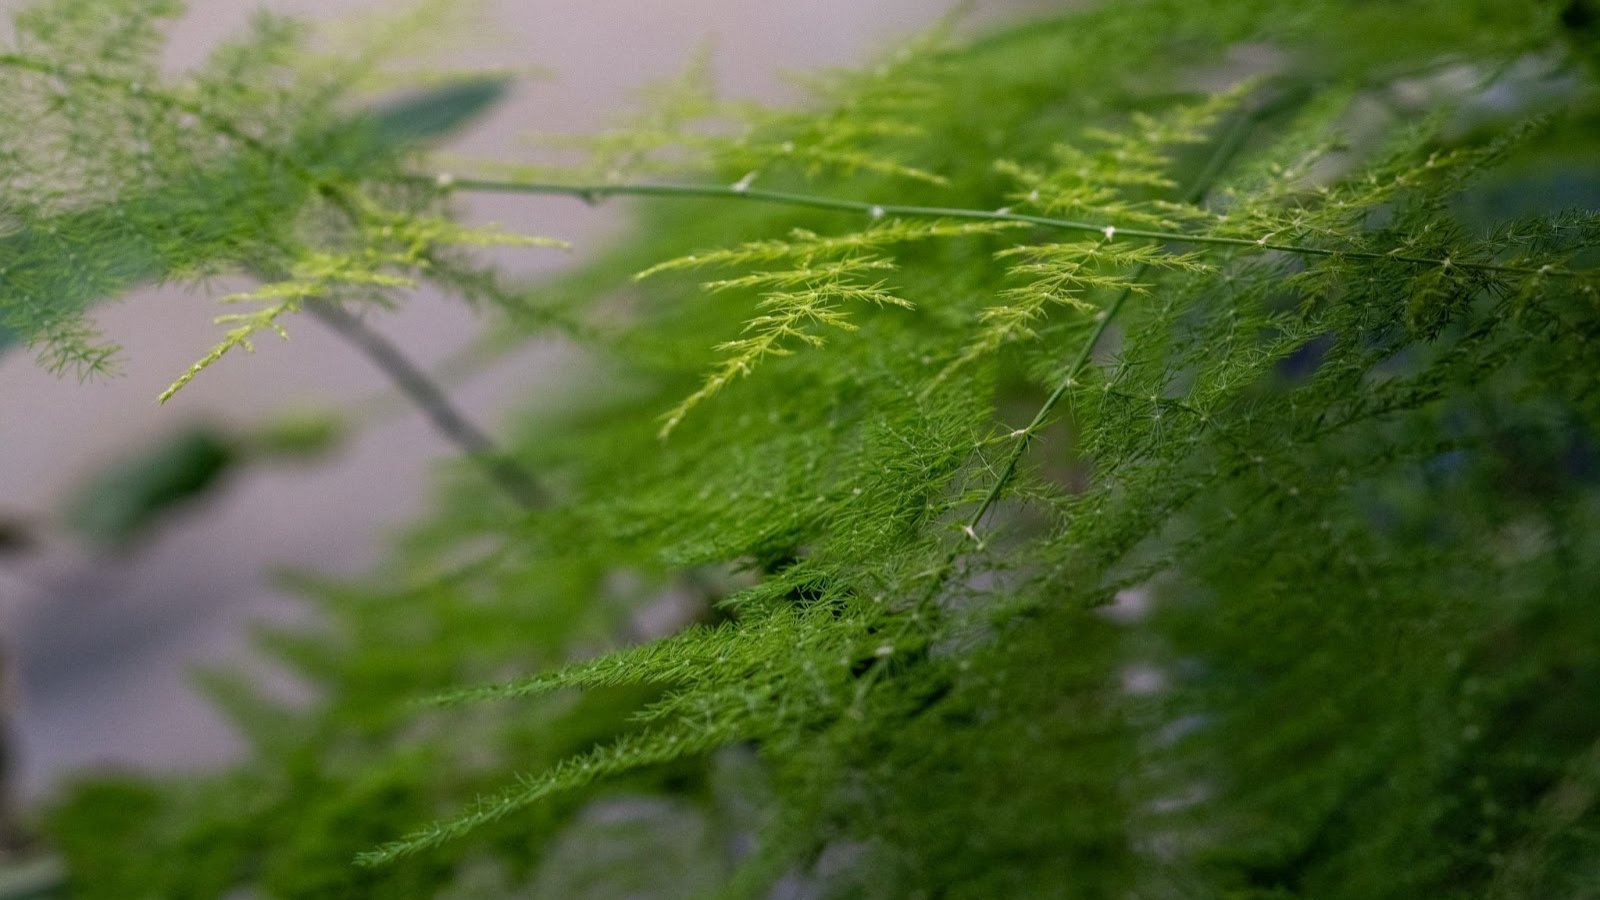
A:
(1148, 452)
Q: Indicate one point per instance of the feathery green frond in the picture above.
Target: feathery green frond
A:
(829, 271)
(1187, 487)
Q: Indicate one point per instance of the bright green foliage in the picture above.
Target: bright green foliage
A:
(824, 273)
(1102, 487)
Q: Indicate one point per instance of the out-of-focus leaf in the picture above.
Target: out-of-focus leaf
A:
(123, 501)
(15, 537)
(298, 434)
(435, 112)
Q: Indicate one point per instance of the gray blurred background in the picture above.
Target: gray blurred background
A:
(100, 648)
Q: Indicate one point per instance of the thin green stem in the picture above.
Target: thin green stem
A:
(591, 193)
(1226, 149)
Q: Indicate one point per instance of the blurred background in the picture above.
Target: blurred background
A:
(100, 642)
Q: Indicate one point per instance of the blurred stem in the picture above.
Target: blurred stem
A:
(434, 403)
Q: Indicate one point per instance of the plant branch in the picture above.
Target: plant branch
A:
(1226, 149)
(409, 378)
(434, 403)
(592, 193)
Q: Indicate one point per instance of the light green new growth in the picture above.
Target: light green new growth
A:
(828, 271)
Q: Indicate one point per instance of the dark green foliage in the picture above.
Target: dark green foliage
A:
(126, 499)
(1216, 519)
(122, 502)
